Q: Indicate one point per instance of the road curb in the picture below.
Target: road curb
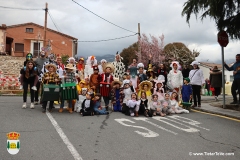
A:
(218, 113)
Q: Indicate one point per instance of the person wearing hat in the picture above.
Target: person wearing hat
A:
(186, 90)
(128, 89)
(95, 79)
(216, 81)
(175, 77)
(197, 81)
(117, 95)
(68, 77)
(145, 86)
(50, 77)
(105, 83)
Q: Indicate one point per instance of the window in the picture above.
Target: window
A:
(19, 47)
(29, 30)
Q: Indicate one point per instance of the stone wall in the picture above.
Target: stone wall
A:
(11, 65)
(9, 72)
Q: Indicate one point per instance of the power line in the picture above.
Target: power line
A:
(110, 39)
(103, 18)
(53, 21)
(20, 8)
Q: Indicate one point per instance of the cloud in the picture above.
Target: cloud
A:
(156, 18)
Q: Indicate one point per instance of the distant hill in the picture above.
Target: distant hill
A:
(107, 57)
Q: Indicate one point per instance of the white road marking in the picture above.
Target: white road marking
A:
(190, 129)
(190, 121)
(144, 134)
(65, 139)
(147, 121)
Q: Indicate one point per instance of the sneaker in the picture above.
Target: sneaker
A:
(32, 106)
(36, 102)
(20, 87)
(132, 114)
(34, 88)
(24, 105)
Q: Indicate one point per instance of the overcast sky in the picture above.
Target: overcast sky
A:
(156, 17)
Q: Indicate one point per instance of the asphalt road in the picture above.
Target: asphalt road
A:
(64, 136)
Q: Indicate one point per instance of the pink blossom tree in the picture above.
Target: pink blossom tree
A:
(152, 49)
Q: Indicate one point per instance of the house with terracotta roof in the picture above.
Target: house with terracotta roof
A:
(28, 38)
(206, 66)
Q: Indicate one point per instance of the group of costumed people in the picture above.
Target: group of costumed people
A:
(132, 91)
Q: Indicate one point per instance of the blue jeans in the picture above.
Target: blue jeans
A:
(62, 103)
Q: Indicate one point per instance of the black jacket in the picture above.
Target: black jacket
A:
(90, 108)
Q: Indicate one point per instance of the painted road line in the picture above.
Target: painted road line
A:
(147, 121)
(70, 147)
(217, 115)
(190, 129)
(149, 133)
(189, 121)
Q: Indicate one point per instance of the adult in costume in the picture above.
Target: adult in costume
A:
(119, 67)
(88, 71)
(133, 72)
(175, 77)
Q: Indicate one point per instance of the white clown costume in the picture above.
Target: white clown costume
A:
(127, 90)
(88, 71)
(175, 77)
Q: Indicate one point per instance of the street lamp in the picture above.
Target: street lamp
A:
(38, 40)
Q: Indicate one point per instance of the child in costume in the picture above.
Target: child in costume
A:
(175, 77)
(128, 89)
(144, 108)
(82, 91)
(166, 105)
(80, 68)
(145, 86)
(119, 67)
(88, 105)
(68, 77)
(95, 78)
(158, 90)
(186, 90)
(105, 83)
(174, 104)
(155, 106)
(133, 105)
(117, 95)
(97, 105)
(133, 73)
(50, 77)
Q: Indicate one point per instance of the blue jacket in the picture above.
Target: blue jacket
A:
(234, 67)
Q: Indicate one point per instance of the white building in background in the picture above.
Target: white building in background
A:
(206, 66)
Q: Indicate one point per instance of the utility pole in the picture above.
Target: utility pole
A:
(45, 26)
(139, 46)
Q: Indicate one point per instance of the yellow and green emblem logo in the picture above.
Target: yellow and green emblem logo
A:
(13, 142)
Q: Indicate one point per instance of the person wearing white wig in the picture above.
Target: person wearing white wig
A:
(197, 81)
(100, 66)
(175, 77)
(88, 71)
(119, 67)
